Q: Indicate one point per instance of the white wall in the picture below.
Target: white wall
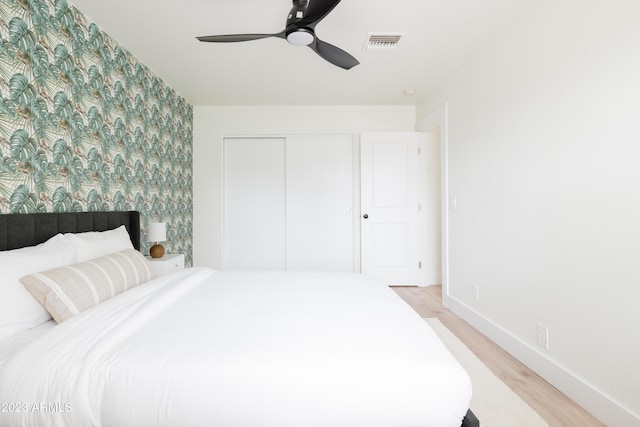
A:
(211, 124)
(544, 151)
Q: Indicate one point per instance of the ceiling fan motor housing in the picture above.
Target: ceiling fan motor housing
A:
(298, 36)
(297, 12)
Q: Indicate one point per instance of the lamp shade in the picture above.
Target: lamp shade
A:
(157, 232)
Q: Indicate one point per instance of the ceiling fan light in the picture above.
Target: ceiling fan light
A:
(300, 37)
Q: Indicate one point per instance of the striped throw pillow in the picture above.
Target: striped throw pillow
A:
(66, 291)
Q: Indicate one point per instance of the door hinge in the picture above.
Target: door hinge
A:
(419, 264)
(419, 151)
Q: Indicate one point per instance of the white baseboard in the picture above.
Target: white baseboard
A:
(594, 401)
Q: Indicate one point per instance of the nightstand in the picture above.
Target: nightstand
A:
(167, 264)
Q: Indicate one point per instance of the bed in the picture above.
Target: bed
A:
(204, 348)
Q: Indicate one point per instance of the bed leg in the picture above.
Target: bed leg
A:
(470, 420)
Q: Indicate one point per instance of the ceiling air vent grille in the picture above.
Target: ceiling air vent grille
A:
(383, 42)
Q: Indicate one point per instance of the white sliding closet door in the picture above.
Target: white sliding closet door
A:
(320, 202)
(288, 203)
(254, 204)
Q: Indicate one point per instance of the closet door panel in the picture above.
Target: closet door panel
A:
(319, 207)
(254, 204)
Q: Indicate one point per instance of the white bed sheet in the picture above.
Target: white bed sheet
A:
(12, 345)
(232, 349)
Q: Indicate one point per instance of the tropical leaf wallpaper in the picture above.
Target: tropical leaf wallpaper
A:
(85, 127)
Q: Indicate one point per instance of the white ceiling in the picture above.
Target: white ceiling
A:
(440, 34)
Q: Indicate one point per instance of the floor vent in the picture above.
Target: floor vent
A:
(382, 42)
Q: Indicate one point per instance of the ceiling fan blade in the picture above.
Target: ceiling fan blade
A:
(316, 11)
(229, 38)
(334, 54)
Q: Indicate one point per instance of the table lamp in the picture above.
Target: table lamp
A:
(157, 233)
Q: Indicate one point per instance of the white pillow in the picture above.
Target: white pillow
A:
(94, 244)
(19, 310)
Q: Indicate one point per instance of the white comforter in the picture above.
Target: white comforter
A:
(227, 349)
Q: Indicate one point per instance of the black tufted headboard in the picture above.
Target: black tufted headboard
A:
(21, 230)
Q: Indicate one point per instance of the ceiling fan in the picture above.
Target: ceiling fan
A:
(299, 31)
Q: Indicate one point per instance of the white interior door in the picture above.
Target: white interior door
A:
(320, 202)
(393, 228)
(254, 204)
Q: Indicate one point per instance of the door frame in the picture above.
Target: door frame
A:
(439, 118)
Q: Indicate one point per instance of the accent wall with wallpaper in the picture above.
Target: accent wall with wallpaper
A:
(84, 126)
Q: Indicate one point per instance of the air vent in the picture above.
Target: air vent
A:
(382, 42)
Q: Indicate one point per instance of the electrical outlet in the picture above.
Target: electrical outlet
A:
(476, 292)
(543, 336)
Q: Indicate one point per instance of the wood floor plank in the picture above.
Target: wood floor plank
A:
(551, 404)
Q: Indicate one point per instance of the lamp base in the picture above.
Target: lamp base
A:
(156, 251)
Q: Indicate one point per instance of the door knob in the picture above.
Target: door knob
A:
(365, 216)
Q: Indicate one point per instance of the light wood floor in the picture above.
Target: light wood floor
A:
(552, 405)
